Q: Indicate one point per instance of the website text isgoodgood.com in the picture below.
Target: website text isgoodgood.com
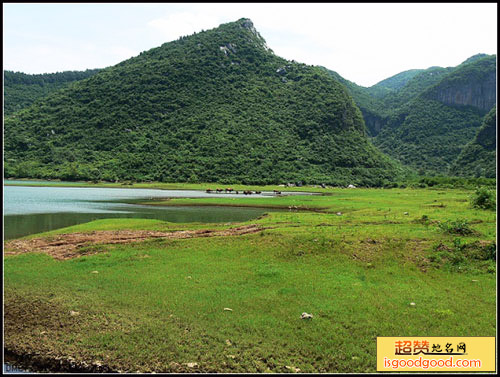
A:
(425, 363)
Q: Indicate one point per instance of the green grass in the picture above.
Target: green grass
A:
(157, 305)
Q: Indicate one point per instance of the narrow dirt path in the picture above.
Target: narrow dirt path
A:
(66, 246)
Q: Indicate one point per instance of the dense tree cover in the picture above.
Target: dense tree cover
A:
(424, 118)
(378, 102)
(478, 158)
(395, 82)
(217, 106)
(430, 130)
(21, 89)
(474, 58)
(371, 106)
(473, 82)
(414, 87)
(447, 181)
(428, 135)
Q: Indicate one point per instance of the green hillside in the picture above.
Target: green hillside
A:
(371, 106)
(473, 58)
(414, 87)
(217, 106)
(428, 135)
(424, 118)
(378, 102)
(478, 158)
(429, 131)
(395, 82)
(21, 89)
(473, 83)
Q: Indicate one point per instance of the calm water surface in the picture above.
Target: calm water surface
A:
(29, 210)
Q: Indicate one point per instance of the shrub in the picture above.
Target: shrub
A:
(483, 199)
(477, 256)
(424, 220)
(490, 251)
(459, 226)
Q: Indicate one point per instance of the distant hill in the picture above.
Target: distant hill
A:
(415, 86)
(430, 130)
(478, 158)
(398, 81)
(424, 118)
(381, 100)
(216, 106)
(470, 84)
(473, 58)
(21, 89)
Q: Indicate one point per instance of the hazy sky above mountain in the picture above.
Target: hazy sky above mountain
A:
(364, 43)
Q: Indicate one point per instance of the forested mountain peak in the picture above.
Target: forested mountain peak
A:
(399, 80)
(430, 129)
(473, 58)
(469, 84)
(233, 39)
(216, 106)
(425, 117)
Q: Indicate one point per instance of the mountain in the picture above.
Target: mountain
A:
(394, 83)
(478, 158)
(430, 130)
(473, 58)
(21, 89)
(424, 118)
(372, 107)
(217, 106)
(415, 86)
(381, 100)
(473, 84)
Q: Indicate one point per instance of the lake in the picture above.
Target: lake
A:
(29, 210)
(32, 209)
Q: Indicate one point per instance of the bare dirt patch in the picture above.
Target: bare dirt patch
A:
(66, 246)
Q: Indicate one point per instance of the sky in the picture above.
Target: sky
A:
(364, 43)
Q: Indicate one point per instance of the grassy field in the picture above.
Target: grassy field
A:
(355, 262)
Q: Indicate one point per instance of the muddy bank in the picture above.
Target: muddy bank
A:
(66, 246)
(38, 339)
(35, 363)
(32, 326)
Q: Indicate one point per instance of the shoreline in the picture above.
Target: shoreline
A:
(270, 206)
(161, 186)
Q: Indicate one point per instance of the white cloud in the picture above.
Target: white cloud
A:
(365, 43)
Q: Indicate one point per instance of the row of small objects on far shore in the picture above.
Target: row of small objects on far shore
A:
(231, 191)
(315, 186)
